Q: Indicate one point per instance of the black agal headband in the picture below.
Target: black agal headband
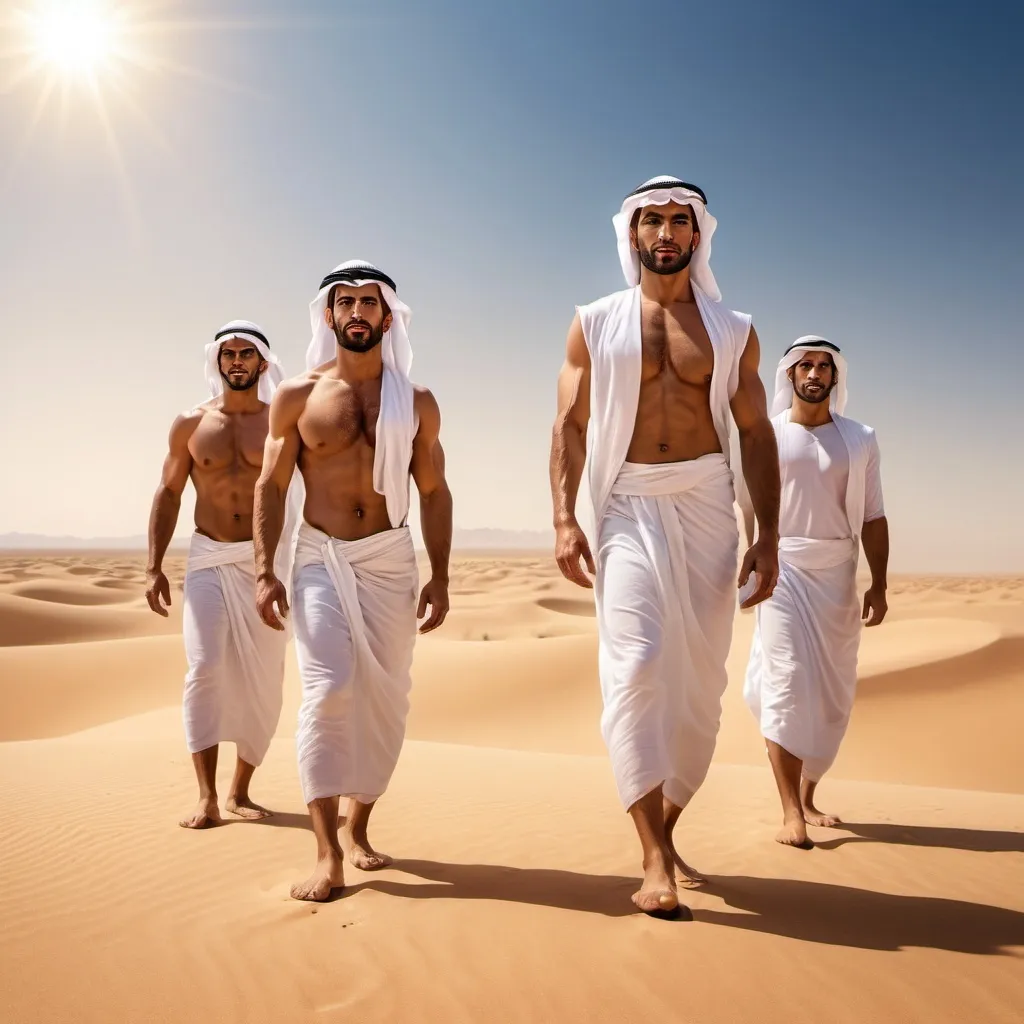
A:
(352, 274)
(662, 183)
(230, 332)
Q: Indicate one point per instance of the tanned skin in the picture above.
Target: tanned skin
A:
(219, 447)
(814, 378)
(324, 422)
(673, 424)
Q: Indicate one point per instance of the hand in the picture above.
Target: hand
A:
(157, 587)
(875, 605)
(762, 558)
(435, 593)
(270, 591)
(570, 546)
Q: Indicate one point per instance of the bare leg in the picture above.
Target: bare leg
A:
(207, 813)
(238, 801)
(657, 896)
(811, 813)
(688, 875)
(355, 843)
(787, 770)
(330, 861)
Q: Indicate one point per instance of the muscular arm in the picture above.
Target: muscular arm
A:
(758, 448)
(569, 435)
(280, 455)
(427, 469)
(163, 516)
(760, 455)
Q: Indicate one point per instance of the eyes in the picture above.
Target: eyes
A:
(346, 300)
(653, 220)
(245, 353)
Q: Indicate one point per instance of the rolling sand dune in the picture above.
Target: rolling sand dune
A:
(509, 898)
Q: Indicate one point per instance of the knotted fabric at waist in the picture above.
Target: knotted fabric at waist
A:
(665, 478)
(389, 549)
(810, 553)
(206, 553)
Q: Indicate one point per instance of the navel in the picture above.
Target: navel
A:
(359, 512)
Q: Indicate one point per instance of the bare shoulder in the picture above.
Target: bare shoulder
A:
(428, 412)
(752, 350)
(293, 392)
(185, 423)
(577, 351)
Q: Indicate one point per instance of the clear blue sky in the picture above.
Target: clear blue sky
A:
(864, 163)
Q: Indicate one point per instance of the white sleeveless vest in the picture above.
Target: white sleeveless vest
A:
(611, 327)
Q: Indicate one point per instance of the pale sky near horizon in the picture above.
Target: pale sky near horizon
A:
(864, 164)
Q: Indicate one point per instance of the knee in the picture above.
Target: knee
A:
(642, 661)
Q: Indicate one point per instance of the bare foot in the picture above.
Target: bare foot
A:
(687, 875)
(361, 854)
(329, 874)
(657, 896)
(245, 808)
(206, 815)
(815, 817)
(794, 833)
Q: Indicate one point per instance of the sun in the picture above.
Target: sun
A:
(76, 38)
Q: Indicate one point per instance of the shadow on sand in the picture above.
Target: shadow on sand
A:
(972, 840)
(837, 915)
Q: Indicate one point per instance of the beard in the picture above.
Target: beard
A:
(650, 261)
(813, 397)
(369, 341)
(249, 382)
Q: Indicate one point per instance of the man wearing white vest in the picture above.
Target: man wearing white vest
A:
(651, 379)
(802, 673)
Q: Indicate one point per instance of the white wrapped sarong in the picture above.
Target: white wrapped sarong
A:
(666, 595)
(355, 628)
(801, 678)
(802, 674)
(233, 689)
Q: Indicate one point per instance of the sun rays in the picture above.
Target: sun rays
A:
(97, 62)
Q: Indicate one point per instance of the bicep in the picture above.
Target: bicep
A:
(749, 404)
(178, 461)
(427, 467)
(574, 378)
(281, 451)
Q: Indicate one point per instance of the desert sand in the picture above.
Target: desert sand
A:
(509, 896)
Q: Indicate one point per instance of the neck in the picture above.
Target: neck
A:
(241, 401)
(666, 288)
(810, 414)
(357, 366)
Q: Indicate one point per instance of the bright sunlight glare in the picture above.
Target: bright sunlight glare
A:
(75, 37)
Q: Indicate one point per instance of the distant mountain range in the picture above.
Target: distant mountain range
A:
(471, 539)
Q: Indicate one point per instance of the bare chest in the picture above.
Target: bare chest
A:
(229, 441)
(675, 345)
(339, 416)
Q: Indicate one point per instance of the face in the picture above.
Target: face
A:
(358, 317)
(814, 377)
(240, 364)
(665, 237)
